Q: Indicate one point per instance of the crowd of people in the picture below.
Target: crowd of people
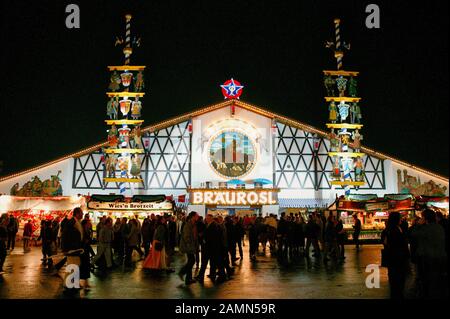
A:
(425, 245)
(218, 242)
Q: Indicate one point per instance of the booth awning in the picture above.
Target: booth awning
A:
(304, 202)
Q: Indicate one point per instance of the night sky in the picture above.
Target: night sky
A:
(54, 79)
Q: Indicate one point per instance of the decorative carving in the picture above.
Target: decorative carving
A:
(35, 187)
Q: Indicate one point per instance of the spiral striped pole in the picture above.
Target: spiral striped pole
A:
(346, 170)
(338, 54)
(128, 50)
(122, 186)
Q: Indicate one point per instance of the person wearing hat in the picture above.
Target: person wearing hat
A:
(3, 238)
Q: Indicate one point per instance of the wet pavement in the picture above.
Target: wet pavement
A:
(25, 277)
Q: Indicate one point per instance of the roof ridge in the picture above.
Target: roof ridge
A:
(212, 107)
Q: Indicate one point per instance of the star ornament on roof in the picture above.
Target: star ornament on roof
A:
(232, 89)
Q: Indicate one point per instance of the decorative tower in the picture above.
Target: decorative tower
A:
(344, 120)
(125, 92)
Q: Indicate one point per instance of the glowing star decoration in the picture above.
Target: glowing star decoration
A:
(232, 89)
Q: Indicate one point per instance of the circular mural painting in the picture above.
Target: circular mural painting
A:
(232, 154)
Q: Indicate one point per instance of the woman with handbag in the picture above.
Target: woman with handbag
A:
(157, 258)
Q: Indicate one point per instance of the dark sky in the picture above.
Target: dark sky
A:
(52, 96)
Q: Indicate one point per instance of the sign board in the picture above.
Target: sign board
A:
(377, 206)
(234, 197)
(132, 206)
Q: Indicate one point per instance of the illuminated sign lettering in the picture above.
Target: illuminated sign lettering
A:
(233, 197)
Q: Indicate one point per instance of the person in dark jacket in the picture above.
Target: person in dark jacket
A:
(282, 231)
(312, 231)
(356, 230)
(431, 257)
(13, 228)
(4, 220)
(397, 254)
(239, 232)
(172, 234)
(443, 221)
(330, 239)
(341, 237)
(201, 232)
(188, 246)
(210, 249)
(46, 237)
(145, 234)
(231, 239)
(253, 240)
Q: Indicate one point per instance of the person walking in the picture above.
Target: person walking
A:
(172, 235)
(132, 242)
(210, 249)
(145, 234)
(312, 231)
(27, 233)
(4, 220)
(89, 232)
(13, 228)
(188, 246)
(397, 255)
(356, 230)
(157, 258)
(85, 256)
(431, 257)
(341, 237)
(253, 240)
(105, 240)
(330, 239)
(238, 235)
(46, 237)
(200, 232)
(117, 236)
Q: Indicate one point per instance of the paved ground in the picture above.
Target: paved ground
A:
(25, 277)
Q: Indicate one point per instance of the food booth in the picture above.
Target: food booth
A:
(373, 212)
(36, 209)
